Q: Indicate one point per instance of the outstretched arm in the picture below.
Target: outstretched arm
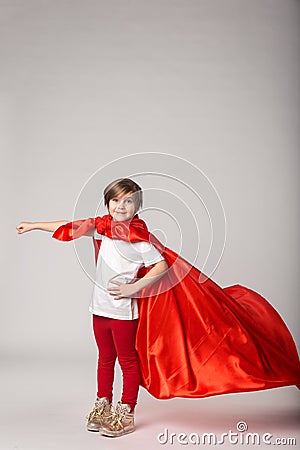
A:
(130, 289)
(23, 227)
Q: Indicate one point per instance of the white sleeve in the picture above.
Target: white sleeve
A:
(97, 235)
(150, 254)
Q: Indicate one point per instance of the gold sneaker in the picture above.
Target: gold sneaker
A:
(121, 422)
(100, 413)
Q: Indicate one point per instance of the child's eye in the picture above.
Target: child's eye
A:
(128, 200)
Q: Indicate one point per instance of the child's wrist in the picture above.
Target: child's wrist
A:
(35, 225)
(137, 286)
(140, 284)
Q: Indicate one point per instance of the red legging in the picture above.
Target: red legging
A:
(116, 338)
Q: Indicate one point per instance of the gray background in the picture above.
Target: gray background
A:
(86, 83)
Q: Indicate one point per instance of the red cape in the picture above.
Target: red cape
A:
(196, 339)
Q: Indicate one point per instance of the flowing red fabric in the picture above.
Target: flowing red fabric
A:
(196, 339)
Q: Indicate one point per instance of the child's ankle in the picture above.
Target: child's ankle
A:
(132, 406)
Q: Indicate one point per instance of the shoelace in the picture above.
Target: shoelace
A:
(117, 416)
(97, 411)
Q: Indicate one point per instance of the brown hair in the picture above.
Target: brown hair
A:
(124, 186)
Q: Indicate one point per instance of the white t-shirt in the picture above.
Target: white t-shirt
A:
(120, 260)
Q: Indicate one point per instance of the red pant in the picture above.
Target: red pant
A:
(116, 338)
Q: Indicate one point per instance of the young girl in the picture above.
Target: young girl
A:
(115, 311)
(174, 331)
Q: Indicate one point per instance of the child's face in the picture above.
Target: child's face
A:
(122, 207)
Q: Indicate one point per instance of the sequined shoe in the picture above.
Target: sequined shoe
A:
(121, 422)
(100, 413)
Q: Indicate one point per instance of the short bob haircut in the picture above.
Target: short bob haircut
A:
(124, 186)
